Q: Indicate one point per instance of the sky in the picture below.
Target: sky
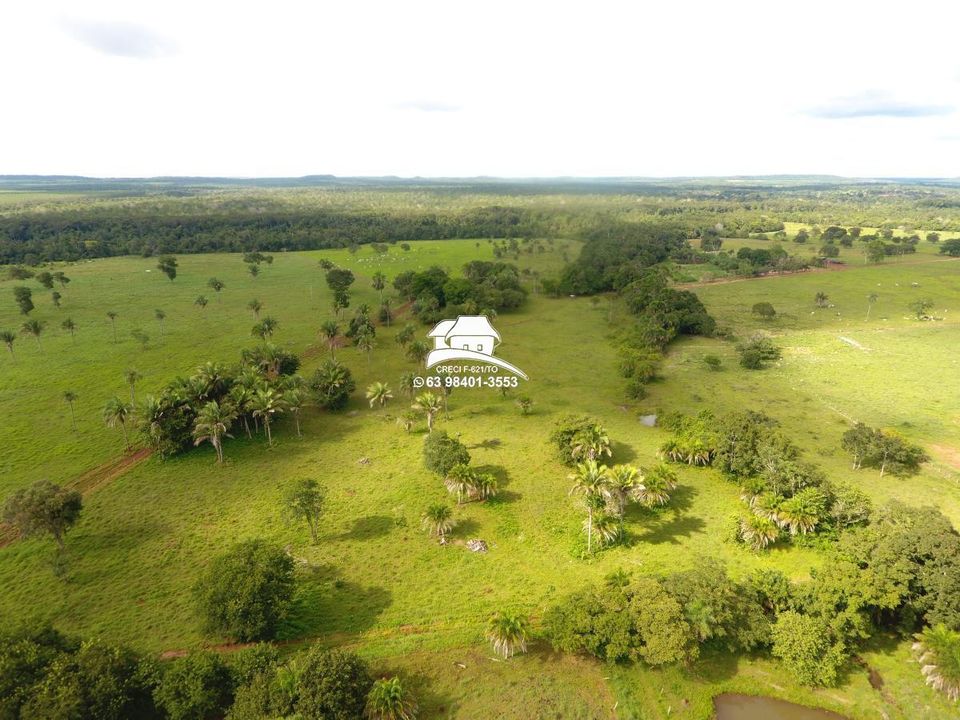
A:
(465, 88)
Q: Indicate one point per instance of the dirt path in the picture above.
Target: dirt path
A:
(91, 480)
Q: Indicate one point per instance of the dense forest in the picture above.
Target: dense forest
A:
(74, 221)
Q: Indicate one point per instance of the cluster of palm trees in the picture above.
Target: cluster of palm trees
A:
(211, 403)
(608, 491)
(469, 483)
(771, 513)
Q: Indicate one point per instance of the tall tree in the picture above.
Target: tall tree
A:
(113, 323)
(329, 329)
(24, 299)
(71, 327)
(71, 397)
(35, 328)
(366, 341)
(212, 424)
(379, 283)
(429, 405)
(201, 302)
(160, 315)
(871, 301)
(255, 306)
(304, 501)
(265, 403)
(117, 412)
(295, 398)
(132, 376)
(591, 481)
(168, 266)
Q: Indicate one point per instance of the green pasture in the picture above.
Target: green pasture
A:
(375, 581)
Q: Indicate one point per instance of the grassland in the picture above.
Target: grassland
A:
(375, 581)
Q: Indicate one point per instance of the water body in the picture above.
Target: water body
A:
(748, 707)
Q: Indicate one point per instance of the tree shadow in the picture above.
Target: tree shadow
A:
(489, 444)
(368, 528)
(326, 603)
(502, 497)
(622, 453)
(672, 530)
(466, 528)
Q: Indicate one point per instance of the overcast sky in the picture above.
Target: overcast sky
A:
(458, 88)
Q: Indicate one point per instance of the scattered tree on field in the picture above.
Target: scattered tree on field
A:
(821, 300)
(116, 412)
(160, 315)
(330, 330)
(438, 520)
(113, 323)
(255, 306)
(168, 266)
(429, 405)
(919, 308)
(508, 633)
(34, 328)
(332, 383)
(764, 310)
(379, 283)
(132, 377)
(379, 393)
(7, 337)
(591, 481)
(43, 509)
(303, 501)
(216, 285)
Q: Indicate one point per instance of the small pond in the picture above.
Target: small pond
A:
(747, 707)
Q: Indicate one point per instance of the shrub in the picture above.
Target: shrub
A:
(333, 685)
(195, 687)
(756, 352)
(246, 592)
(713, 362)
(441, 453)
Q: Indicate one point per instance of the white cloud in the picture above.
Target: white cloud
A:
(432, 87)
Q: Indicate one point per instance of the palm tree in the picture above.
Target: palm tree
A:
(265, 328)
(7, 337)
(938, 651)
(365, 343)
(758, 531)
(70, 326)
(201, 302)
(265, 403)
(295, 398)
(428, 404)
(389, 700)
(240, 397)
(459, 480)
(379, 283)
(405, 336)
(821, 300)
(34, 327)
(71, 398)
(802, 512)
(212, 424)
(132, 377)
(150, 416)
(871, 301)
(622, 487)
(407, 385)
(591, 481)
(591, 443)
(256, 306)
(117, 412)
(330, 330)
(407, 420)
(379, 393)
(417, 351)
(160, 315)
(484, 486)
(607, 528)
(113, 322)
(524, 403)
(508, 633)
(438, 520)
(656, 486)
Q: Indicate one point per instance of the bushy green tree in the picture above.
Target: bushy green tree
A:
(332, 685)
(246, 592)
(333, 383)
(804, 646)
(196, 687)
(441, 453)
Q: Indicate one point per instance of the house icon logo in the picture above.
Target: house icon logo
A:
(469, 337)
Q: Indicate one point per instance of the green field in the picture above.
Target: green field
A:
(375, 582)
